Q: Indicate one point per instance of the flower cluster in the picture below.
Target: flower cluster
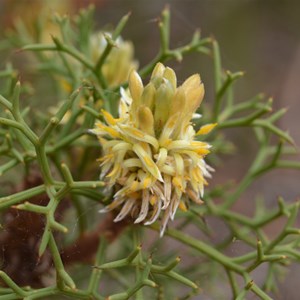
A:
(116, 68)
(150, 155)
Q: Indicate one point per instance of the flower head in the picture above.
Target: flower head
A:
(149, 152)
(115, 69)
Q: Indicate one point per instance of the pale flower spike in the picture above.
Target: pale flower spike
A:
(150, 157)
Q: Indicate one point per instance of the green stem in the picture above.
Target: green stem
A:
(42, 293)
(217, 66)
(139, 295)
(164, 28)
(288, 164)
(74, 53)
(233, 283)
(223, 89)
(11, 297)
(110, 44)
(28, 133)
(203, 248)
(5, 103)
(267, 125)
(96, 274)
(245, 121)
(44, 164)
(9, 165)
(66, 140)
(62, 276)
(18, 197)
(260, 293)
(12, 285)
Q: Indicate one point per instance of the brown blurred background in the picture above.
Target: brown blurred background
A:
(259, 37)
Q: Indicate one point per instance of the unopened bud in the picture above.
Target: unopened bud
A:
(146, 120)
(162, 106)
(148, 96)
(170, 75)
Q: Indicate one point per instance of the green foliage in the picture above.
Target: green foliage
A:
(65, 155)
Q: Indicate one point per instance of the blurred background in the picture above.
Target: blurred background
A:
(261, 38)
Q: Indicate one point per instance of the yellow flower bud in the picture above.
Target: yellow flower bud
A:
(170, 75)
(192, 82)
(163, 102)
(194, 98)
(148, 96)
(136, 89)
(135, 86)
(158, 71)
(146, 120)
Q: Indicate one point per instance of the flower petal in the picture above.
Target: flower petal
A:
(155, 213)
(206, 128)
(147, 161)
(135, 86)
(125, 210)
(144, 208)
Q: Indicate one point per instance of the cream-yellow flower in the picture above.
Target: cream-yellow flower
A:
(115, 69)
(150, 156)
